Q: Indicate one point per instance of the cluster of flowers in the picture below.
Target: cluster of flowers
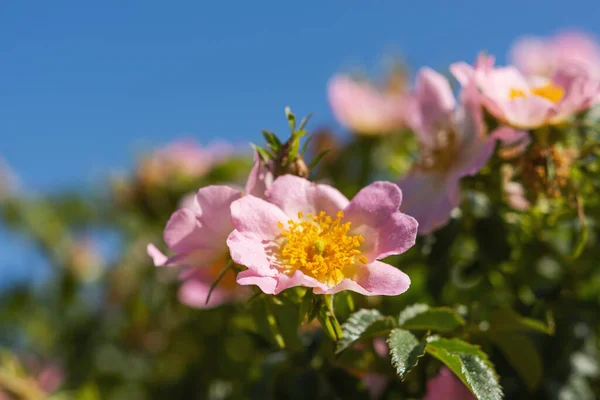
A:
(283, 231)
(550, 82)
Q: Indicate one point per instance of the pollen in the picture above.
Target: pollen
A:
(548, 91)
(320, 247)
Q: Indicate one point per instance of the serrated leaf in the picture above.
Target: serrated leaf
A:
(318, 158)
(480, 377)
(305, 121)
(422, 317)
(291, 119)
(506, 319)
(272, 140)
(363, 324)
(470, 364)
(405, 350)
(521, 353)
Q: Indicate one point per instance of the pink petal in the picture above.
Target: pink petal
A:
(462, 71)
(445, 385)
(215, 202)
(434, 104)
(192, 258)
(275, 285)
(363, 108)
(293, 194)
(251, 215)
(374, 279)
(249, 250)
(183, 232)
(374, 213)
(260, 178)
(430, 198)
(193, 293)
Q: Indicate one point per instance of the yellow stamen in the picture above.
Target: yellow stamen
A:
(548, 91)
(320, 247)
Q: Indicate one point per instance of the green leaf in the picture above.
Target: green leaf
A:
(422, 317)
(305, 145)
(291, 119)
(305, 121)
(405, 350)
(505, 319)
(293, 151)
(470, 364)
(318, 158)
(363, 324)
(272, 140)
(262, 153)
(520, 351)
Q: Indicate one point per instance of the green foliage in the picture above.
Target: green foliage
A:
(405, 350)
(423, 317)
(470, 364)
(364, 324)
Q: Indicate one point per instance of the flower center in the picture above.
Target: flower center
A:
(548, 91)
(320, 247)
(442, 154)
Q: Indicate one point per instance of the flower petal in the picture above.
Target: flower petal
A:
(193, 293)
(293, 194)
(215, 202)
(260, 178)
(374, 213)
(429, 198)
(374, 279)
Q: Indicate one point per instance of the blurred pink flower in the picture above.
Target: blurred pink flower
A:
(364, 108)
(310, 235)
(183, 156)
(453, 144)
(445, 385)
(545, 56)
(197, 234)
(528, 102)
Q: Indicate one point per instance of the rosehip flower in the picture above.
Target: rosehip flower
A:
(197, 234)
(529, 102)
(453, 144)
(183, 156)
(310, 235)
(445, 385)
(363, 108)
(545, 56)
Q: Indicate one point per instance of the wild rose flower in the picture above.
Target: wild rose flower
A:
(197, 234)
(364, 108)
(184, 157)
(445, 385)
(537, 56)
(453, 145)
(310, 235)
(529, 102)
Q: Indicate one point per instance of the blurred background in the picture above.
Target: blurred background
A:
(87, 88)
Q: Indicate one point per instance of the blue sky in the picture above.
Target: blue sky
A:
(84, 85)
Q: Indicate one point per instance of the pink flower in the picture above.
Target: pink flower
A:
(197, 234)
(453, 145)
(445, 385)
(545, 56)
(363, 108)
(183, 156)
(529, 102)
(310, 235)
